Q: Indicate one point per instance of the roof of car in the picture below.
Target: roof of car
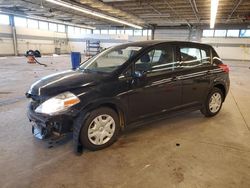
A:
(155, 42)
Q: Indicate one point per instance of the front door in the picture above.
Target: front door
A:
(155, 87)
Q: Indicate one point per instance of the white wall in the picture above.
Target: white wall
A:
(227, 48)
(6, 43)
(77, 42)
(172, 34)
(6, 46)
(44, 41)
(47, 41)
(230, 48)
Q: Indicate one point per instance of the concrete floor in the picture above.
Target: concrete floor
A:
(183, 151)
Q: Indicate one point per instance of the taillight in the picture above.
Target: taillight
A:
(224, 67)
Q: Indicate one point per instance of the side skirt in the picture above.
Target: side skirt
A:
(160, 117)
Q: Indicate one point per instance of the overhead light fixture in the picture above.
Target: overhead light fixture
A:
(213, 12)
(41, 5)
(93, 13)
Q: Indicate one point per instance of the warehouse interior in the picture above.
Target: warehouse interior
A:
(186, 150)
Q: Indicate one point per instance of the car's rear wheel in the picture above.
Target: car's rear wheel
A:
(213, 103)
(100, 130)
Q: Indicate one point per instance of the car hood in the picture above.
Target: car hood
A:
(63, 81)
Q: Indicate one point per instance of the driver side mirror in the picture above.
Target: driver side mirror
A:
(139, 74)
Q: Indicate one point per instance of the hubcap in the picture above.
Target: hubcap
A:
(101, 129)
(215, 102)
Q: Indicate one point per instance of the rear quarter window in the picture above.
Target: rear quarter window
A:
(205, 56)
(193, 57)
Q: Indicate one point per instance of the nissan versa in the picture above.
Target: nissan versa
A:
(127, 85)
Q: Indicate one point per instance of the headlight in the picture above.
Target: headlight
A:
(58, 103)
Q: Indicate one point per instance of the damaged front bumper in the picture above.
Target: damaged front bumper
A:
(45, 126)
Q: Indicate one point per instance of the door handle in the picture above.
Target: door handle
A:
(175, 78)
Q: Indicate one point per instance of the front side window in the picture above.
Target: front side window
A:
(111, 59)
(158, 59)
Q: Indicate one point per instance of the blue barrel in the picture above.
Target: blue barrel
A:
(75, 59)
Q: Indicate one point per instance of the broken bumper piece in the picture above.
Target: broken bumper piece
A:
(45, 126)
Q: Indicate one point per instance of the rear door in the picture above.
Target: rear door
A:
(195, 62)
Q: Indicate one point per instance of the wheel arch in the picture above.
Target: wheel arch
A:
(112, 104)
(222, 88)
(118, 110)
(86, 112)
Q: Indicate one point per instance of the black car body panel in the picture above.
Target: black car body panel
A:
(134, 96)
(63, 81)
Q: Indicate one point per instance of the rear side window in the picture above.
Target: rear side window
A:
(192, 57)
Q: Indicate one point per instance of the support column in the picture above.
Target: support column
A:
(190, 32)
(153, 33)
(13, 29)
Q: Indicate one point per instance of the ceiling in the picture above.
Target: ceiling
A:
(146, 13)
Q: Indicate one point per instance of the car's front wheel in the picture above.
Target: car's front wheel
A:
(100, 130)
(213, 103)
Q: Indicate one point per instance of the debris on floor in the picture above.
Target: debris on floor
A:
(32, 55)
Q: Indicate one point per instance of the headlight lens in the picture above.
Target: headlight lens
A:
(58, 103)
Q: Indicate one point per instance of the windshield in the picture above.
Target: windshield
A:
(110, 59)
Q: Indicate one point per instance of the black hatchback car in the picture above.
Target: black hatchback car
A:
(126, 85)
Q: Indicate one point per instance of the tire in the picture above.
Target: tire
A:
(100, 129)
(213, 103)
